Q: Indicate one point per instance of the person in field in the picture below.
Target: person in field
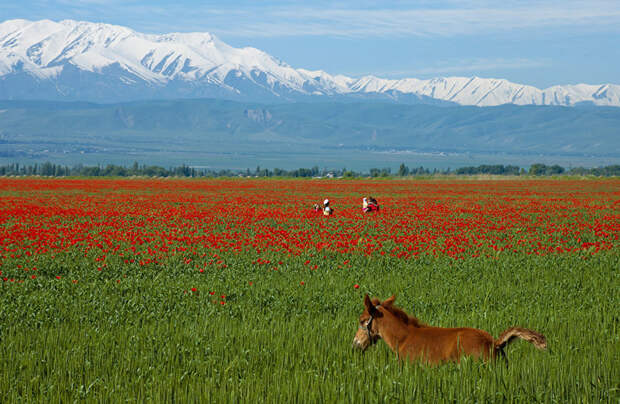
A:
(369, 204)
(327, 210)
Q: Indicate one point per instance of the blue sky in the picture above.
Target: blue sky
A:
(541, 43)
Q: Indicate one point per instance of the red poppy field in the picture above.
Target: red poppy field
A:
(148, 222)
(136, 288)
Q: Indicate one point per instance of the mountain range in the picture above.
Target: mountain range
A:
(72, 60)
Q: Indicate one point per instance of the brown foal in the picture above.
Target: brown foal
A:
(409, 338)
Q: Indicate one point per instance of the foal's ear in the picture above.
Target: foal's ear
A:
(389, 301)
(372, 310)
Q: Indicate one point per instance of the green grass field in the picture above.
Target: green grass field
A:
(276, 340)
(164, 333)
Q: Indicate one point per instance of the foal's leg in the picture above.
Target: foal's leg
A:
(501, 353)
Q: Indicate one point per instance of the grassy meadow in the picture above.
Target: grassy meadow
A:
(234, 291)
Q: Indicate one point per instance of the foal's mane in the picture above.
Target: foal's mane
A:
(400, 313)
(406, 318)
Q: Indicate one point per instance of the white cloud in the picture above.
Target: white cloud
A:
(354, 19)
(424, 21)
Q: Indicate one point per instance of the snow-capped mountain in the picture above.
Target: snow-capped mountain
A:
(74, 60)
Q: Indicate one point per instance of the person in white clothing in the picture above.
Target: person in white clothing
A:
(327, 210)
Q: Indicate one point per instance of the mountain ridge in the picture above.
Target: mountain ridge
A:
(76, 60)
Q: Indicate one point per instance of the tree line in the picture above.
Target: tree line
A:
(110, 170)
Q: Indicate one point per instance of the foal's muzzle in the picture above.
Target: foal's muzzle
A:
(361, 339)
(358, 345)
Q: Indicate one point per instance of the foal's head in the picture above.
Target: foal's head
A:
(368, 332)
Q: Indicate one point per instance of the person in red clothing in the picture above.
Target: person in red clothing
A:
(369, 204)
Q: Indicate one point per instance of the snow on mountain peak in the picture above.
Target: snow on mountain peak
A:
(44, 49)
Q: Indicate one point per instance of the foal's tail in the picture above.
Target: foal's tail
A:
(537, 339)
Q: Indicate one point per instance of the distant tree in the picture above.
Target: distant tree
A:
(47, 168)
(613, 170)
(465, 170)
(538, 169)
(90, 171)
(403, 170)
(554, 170)
(50, 169)
(512, 170)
